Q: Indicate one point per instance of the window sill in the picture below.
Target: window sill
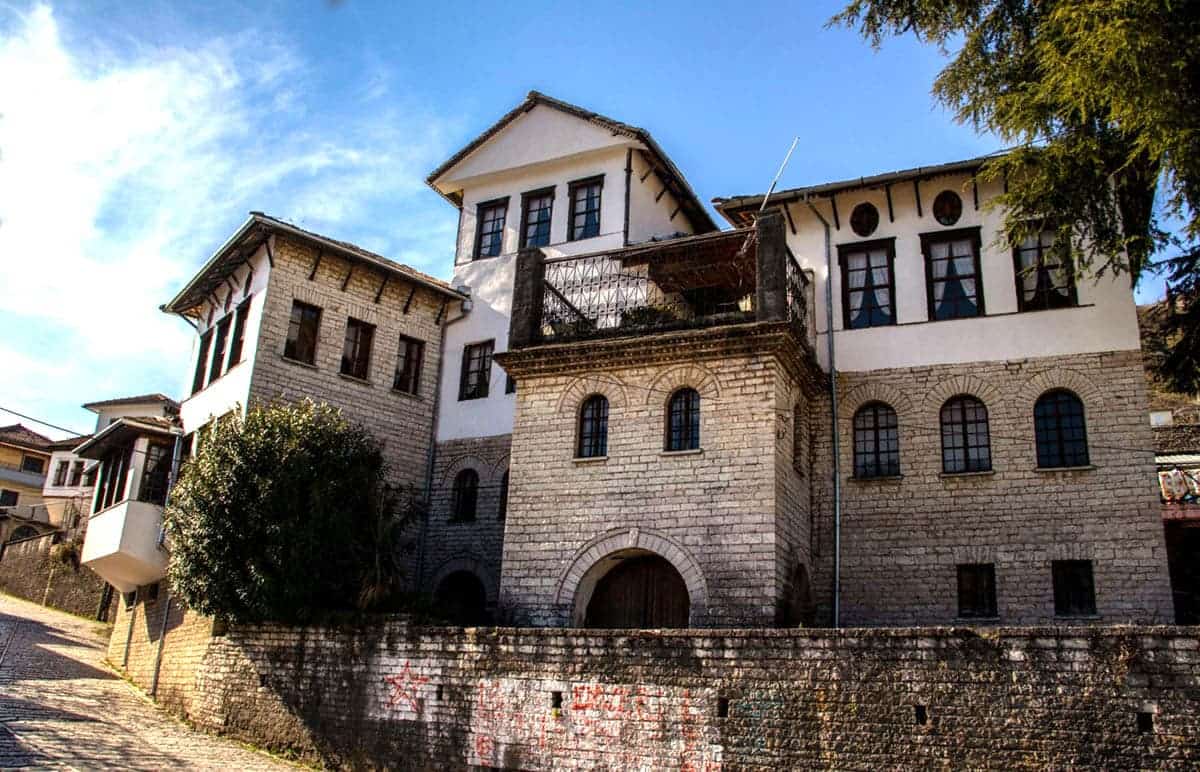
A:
(355, 379)
(1053, 469)
(472, 399)
(976, 620)
(884, 478)
(1078, 617)
(692, 452)
(408, 394)
(590, 459)
(955, 475)
(298, 362)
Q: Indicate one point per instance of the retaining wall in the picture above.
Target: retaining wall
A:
(28, 571)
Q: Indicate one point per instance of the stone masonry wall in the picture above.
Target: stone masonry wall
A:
(710, 512)
(903, 538)
(28, 571)
(472, 546)
(394, 696)
(403, 422)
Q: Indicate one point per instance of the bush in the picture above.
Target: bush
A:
(285, 515)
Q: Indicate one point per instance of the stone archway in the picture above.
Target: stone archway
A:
(636, 589)
(462, 599)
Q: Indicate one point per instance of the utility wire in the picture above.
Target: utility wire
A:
(72, 432)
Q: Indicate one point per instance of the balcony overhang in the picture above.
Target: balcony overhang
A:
(122, 433)
(122, 546)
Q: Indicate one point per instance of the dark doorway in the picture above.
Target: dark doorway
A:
(643, 592)
(461, 599)
(1183, 559)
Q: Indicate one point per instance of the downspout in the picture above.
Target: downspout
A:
(628, 178)
(172, 476)
(465, 308)
(162, 634)
(833, 402)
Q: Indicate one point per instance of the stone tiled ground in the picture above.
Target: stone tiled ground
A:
(62, 708)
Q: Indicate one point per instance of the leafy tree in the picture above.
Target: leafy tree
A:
(1103, 99)
(285, 515)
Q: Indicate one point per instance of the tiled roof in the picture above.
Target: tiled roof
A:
(69, 443)
(670, 175)
(1177, 439)
(139, 399)
(17, 434)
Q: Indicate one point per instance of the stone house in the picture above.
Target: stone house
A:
(668, 454)
(279, 313)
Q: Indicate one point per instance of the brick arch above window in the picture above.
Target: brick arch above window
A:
(866, 393)
(1060, 378)
(606, 385)
(676, 378)
(482, 468)
(472, 564)
(500, 466)
(969, 385)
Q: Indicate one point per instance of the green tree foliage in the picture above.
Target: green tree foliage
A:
(1102, 98)
(286, 515)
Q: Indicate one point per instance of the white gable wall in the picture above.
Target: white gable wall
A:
(1104, 321)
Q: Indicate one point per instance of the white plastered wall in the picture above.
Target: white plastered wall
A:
(1105, 320)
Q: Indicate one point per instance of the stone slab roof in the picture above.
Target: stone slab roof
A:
(1177, 439)
(24, 437)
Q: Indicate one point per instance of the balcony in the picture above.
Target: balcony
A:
(12, 473)
(728, 278)
(122, 545)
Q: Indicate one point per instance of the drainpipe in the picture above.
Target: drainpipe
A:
(162, 634)
(628, 178)
(833, 402)
(464, 309)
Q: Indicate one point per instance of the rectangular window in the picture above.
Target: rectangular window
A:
(536, 209)
(356, 351)
(218, 355)
(585, 208)
(8, 498)
(868, 283)
(953, 278)
(977, 590)
(60, 473)
(154, 475)
(239, 333)
(33, 464)
(489, 229)
(476, 370)
(408, 365)
(1044, 278)
(510, 384)
(1074, 589)
(201, 361)
(76, 474)
(301, 342)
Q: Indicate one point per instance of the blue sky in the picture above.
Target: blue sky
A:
(134, 137)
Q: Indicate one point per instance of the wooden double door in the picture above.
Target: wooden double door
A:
(642, 592)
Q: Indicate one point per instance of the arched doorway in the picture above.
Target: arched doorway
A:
(462, 599)
(22, 533)
(642, 591)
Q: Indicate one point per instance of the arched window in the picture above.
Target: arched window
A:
(1060, 430)
(503, 510)
(593, 428)
(465, 495)
(876, 441)
(966, 443)
(683, 420)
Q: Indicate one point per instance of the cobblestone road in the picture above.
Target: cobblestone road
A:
(61, 708)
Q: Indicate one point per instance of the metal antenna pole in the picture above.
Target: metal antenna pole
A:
(779, 173)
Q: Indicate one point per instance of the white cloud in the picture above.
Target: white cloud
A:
(123, 166)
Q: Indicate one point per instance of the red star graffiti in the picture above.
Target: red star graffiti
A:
(404, 687)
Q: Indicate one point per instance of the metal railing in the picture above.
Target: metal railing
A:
(799, 287)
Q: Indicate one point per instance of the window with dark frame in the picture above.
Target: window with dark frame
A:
(1045, 279)
(966, 440)
(34, 464)
(76, 474)
(489, 230)
(868, 283)
(584, 196)
(464, 495)
(303, 327)
(536, 211)
(239, 333)
(593, 428)
(1060, 430)
(510, 384)
(201, 361)
(157, 467)
(502, 510)
(1074, 588)
(218, 352)
(60, 473)
(408, 365)
(683, 420)
(476, 370)
(356, 350)
(953, 277)
(977, 591)
(9, 498)
(876, 441)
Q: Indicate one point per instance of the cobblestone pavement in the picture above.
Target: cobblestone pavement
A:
(62, 708)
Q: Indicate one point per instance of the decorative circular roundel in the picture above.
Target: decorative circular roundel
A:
(864, 219)
(947, 207)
